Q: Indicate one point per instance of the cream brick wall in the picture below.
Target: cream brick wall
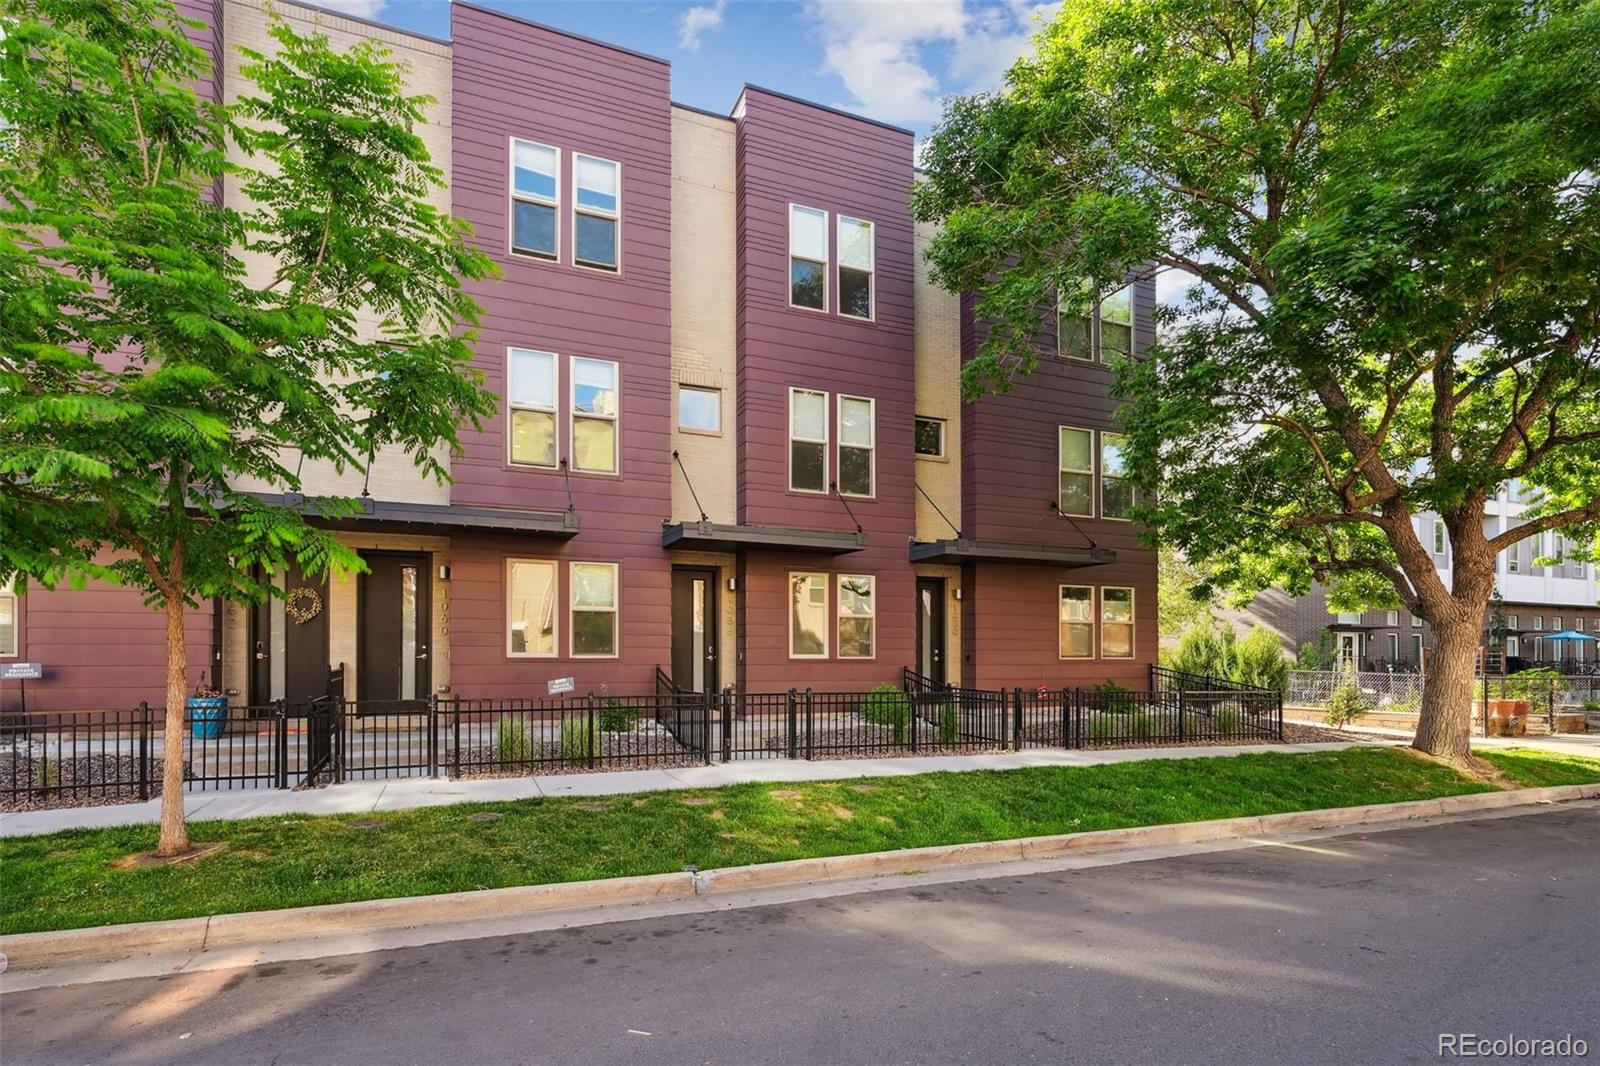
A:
(938, 376)
(703, 285)
(341, 608)
(393, 475)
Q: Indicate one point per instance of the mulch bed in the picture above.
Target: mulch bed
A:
(83, 781)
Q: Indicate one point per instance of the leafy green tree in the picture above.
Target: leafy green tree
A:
(1384, 219)
(1186, 597)
(145, 371)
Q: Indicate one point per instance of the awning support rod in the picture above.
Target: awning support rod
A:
(695, 496)
(940, 513)
(1056, 507)
(834, 485)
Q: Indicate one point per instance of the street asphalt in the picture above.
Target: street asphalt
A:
(1353, 949)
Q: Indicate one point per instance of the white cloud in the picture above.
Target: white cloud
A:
(897, 59)
(361, 9)
(697, 21)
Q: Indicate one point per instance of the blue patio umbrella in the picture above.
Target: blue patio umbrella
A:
(1568, 634)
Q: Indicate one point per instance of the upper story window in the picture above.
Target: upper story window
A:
(857, 445)
(1511, 621)
(1076, 453)
(808, 258)
(594, 415)
(857, 625)
(1116, 623)
(808, 616)
(594, 609)
(1105, 329)
(699, 410)
(531, 406)
(1514, 558)
(1555, 623)
(596, 212)
(530, 608)
(855, 268)
(930, 437)
(808, 440)
(535, 199)
(1391, 618)
(1116, 494)
(1538, 622)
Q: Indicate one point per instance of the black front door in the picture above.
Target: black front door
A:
(930, 628)
(694, 629)
(393, 632)
(289, 642)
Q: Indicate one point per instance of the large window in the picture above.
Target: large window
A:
(857, 434)
(1116, 324)
(699, 410)
(1076, 631)
(808, 440)
(531, 406)
(1116, 623)
(1116, 493)
(535, 199)
(594, 416)
(855, 267)
(596, 212)
(530, 608)
(930, 437)
(857, 639)
(808, 258)
(1077, 472)
(594, 609)
(808, 616)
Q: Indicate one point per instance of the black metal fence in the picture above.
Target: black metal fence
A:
(52, 759)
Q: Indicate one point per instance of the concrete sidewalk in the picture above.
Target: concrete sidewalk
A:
(360, 797)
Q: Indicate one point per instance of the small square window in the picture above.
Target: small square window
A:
(699, 410)
(930, 437)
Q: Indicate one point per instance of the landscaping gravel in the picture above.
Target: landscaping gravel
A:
(87, 780)
(636, 750)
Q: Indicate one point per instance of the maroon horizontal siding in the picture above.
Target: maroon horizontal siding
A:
(101, 648)
(791, 152)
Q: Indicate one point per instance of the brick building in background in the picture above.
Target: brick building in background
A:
(730, 442)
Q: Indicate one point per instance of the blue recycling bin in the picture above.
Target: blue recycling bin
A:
(207, 716)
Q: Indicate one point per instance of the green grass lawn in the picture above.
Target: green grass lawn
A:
(1541, 769)
(68, 880)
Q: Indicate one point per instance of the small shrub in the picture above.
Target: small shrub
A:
(1205, 650)
(514, 745)
(1227, 721)
(1320, 656)
(1141, 726)
(887, 705)
(949, 724)
(49, 772)
(1112, 697)
(578, 744)
(1101, 727)
(1348, 702)
(1591, 706)
(615, 718)
(1258, 660)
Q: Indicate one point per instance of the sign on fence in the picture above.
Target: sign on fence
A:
(21, 671)
(557, 685)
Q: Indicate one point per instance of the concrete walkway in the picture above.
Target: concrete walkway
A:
(394, 794)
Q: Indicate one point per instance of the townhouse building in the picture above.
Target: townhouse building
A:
(731, 445)
(1543, 589)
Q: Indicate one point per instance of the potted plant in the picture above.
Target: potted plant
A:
(208, 712)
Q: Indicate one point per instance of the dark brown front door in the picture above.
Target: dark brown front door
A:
(694, 629)
(289, 642)
(930, 628)
(393, 631)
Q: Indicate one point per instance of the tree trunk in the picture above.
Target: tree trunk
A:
(1444, 726)
(174, 830)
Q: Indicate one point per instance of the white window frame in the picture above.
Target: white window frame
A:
(827, 613)
(595, 212)
(8, 591)
(530, 198)
(943, 425)
(1394, 647)
(1092, 340)
(1094, 478)
(555, 621)
(1098, 449)
(573, 416)
(1133, 622)
(871, 449)
(1099, 324)
(1416, 647)
(790, 257)
(554, 410)
(1093, 624)
(839, 616)
(677, 410)
(790, 439)
(1538, 623)
(839, 268)
(1511, 621)
(1391, 618)
(615, 610)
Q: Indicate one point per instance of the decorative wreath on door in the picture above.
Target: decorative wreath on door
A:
(304, 604)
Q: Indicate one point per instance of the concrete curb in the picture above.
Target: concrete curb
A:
(193, 936)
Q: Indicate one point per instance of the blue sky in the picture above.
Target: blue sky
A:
(891, 60)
